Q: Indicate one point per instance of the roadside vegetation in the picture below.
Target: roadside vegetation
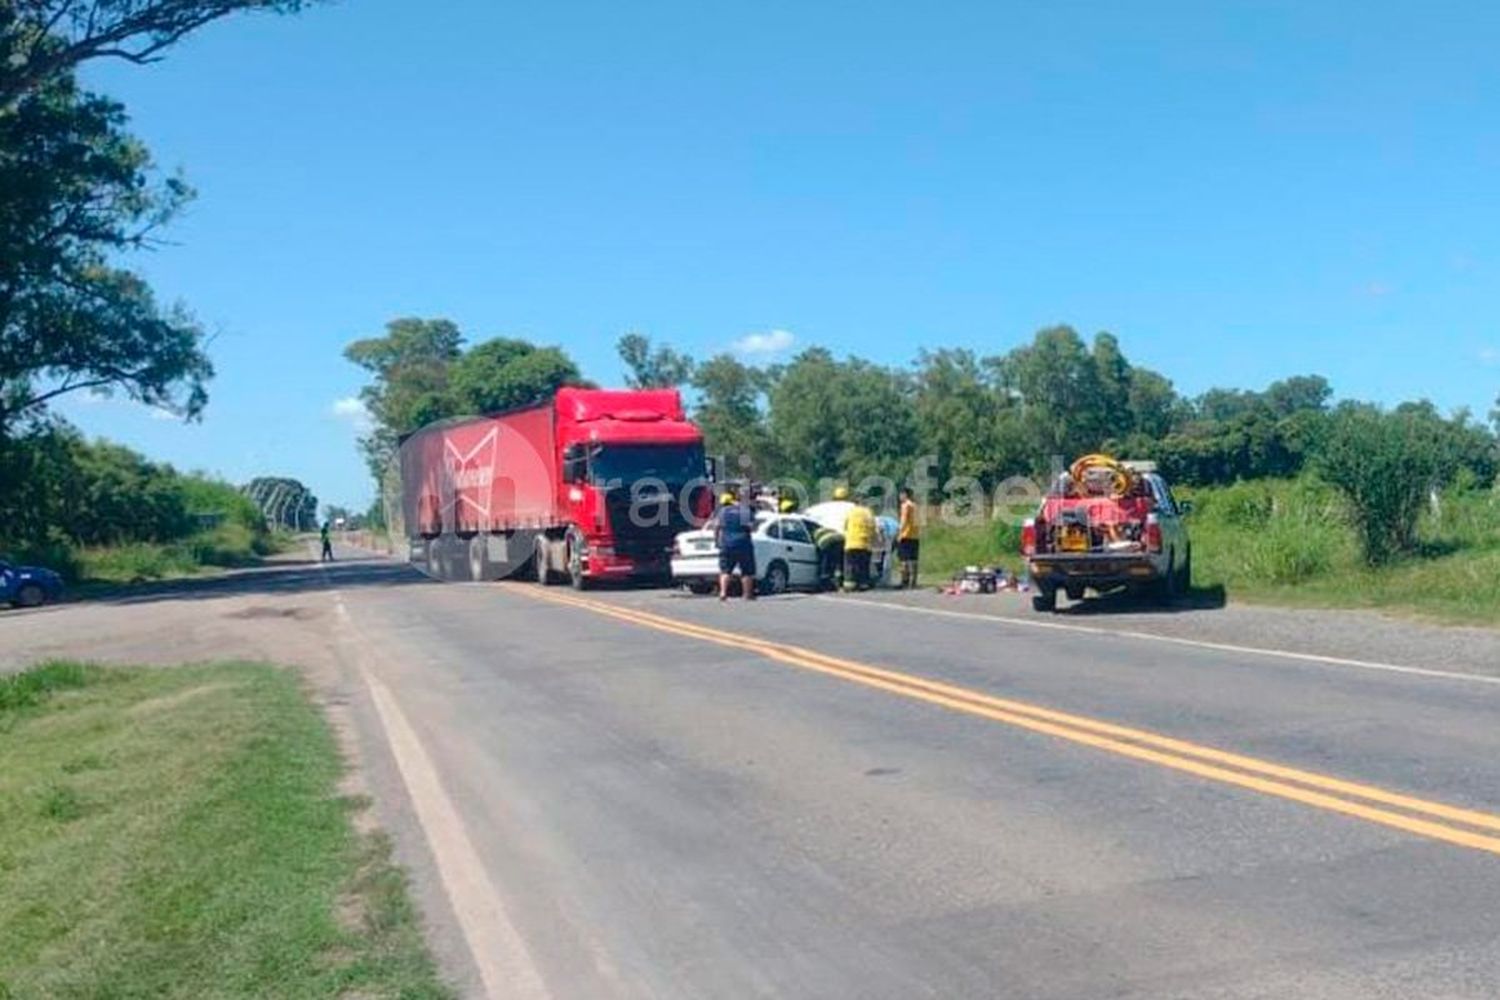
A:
(180, 833)
(100, 512)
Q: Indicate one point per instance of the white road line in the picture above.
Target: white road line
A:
(1222, 647)
(504, 964)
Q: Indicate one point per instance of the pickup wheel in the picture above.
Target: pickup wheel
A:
(30, 596)
(1168, 587)
(1185, 585)
(1075, 592)
(1045, 599)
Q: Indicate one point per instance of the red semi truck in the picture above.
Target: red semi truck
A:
(591, 485)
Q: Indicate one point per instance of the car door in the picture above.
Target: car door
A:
(800, 552)
(1174, 538)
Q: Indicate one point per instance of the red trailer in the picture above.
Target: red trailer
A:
(593, 484)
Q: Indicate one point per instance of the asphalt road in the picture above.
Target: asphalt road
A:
(643, 794)
(666, 812)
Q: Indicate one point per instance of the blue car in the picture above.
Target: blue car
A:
(28, 586)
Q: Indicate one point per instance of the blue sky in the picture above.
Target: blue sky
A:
(1239, 192)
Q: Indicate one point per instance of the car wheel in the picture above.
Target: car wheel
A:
(1045, 599)
(776, 579)
(30, 596)
(701, 587)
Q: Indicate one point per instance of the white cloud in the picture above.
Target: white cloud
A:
(768, 342)
(159, 413)
(1378, 289)
(351, 409)
(1489, 356)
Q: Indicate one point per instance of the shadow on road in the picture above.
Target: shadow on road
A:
(283, 576)
(1124, 602)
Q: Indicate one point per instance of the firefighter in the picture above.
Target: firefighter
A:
(830, 545)
(859, 539)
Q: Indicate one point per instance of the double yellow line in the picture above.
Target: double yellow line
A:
(1451, 824)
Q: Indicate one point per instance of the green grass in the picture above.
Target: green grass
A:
(227, 546)
(179, 833)
(1289, 542)
(948, 548)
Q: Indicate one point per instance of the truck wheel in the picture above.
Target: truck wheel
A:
(479, 558)
(30, 596)
(1045, 599)
(576, 579)
(541, 563)
(776, 579)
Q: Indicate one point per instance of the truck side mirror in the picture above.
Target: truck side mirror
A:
(1184, 507)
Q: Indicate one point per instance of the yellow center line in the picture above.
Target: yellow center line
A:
(1322, 791)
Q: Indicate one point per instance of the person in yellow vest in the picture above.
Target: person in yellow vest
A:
(859, 539)
(908, 541)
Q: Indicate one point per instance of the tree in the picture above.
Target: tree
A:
(965, 420)
(411, 365)
(422, 374)
(1385, 464)
(652, 368)
(76, 191)
(730, 414)
(46, 39)
(1065, 406)
(502, 374)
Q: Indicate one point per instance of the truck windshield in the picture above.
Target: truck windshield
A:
(624, 464)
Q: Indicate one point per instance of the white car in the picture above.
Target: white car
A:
(785, 556)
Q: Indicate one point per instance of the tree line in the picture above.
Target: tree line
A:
(821, 417)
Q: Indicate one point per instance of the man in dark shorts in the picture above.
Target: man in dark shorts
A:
(736, 550)
(908, 539)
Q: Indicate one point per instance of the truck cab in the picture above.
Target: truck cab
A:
(1106, 525)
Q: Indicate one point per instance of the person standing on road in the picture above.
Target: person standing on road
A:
(327, 537)
(859, 540)
(736, 550)
(908, 541)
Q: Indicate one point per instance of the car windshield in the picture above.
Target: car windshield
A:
(623, 464)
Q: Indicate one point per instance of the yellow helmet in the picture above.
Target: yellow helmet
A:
(788, 505)
(726, 499)
(841, 493)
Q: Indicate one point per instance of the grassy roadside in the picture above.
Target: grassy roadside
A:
(1288, 542)
(225, 547)
(178, 833)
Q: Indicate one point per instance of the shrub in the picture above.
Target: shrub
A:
(1386, 464)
